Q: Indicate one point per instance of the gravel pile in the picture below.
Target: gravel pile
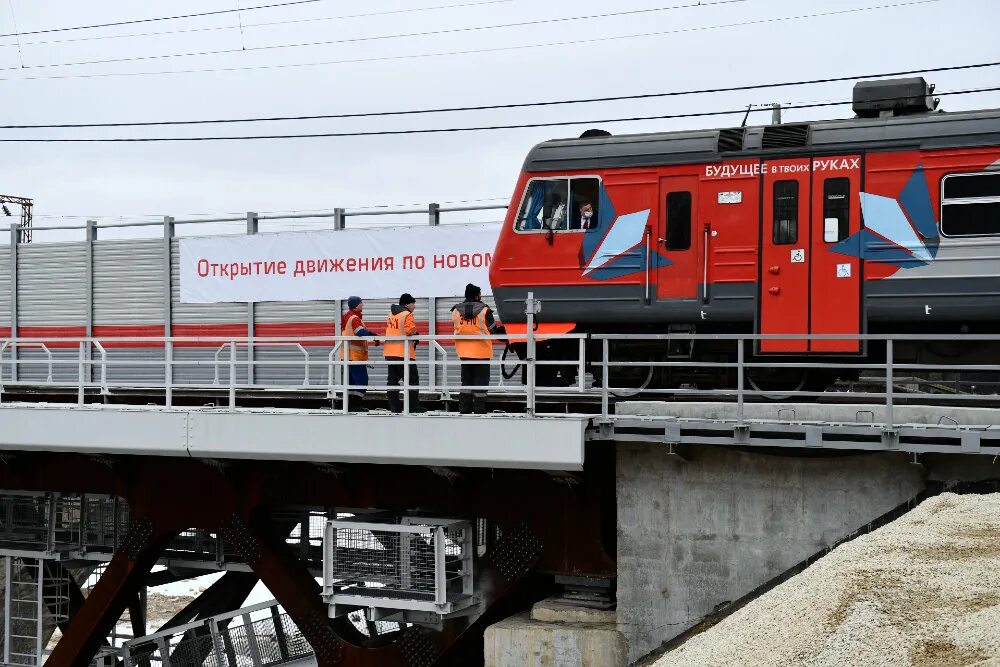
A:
(923, 590)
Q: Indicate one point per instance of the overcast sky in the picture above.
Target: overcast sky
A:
(112, 180)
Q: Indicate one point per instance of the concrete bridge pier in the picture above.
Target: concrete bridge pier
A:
(700, 526)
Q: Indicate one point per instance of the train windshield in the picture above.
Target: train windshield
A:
(559, 204)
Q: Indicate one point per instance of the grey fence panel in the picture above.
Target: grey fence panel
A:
(128, 282)
(291, 369)
(51, 284)
(33, 365)
(150, 375)
(280, 312)
(204, 372)
(199, 313)
(5, 286)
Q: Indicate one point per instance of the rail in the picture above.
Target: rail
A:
(598, 371)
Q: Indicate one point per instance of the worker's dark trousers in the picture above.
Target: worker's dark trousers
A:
(474, 375)
(394, 380)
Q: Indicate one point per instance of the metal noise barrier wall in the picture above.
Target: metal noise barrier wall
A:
(117, 288)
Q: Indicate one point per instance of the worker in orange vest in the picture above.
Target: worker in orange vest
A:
(402, 323)
(352, 324)
(472, 317)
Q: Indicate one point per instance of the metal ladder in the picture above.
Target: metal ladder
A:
(32, 597)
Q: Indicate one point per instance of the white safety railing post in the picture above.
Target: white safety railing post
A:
(105, 390)
(605, 379)
(164, 648)
(531, 308)
(232, 375)
(252, 644)
(740, 398)
(431, 355)
(3, 346)
(889, 420)
(9, 589)
(345, 376)
(217, 647)
(168, 372)
(308, 361)
(440, 573)
(581, 367)
(406, 377)
(40, 607)
(81, 363)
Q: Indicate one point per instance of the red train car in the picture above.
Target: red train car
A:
(887, 222)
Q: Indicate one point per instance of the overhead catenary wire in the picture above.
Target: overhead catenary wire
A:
(174, 17)
(373, 38)
(513, 105)
(438, 54)
(265, 24)
(447, 130)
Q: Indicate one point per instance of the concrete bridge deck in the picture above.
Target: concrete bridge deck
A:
(494, 441)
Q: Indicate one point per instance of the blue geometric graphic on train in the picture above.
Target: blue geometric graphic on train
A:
(620, 250)
(901, 231)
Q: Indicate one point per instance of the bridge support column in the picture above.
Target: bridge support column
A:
(702, 526)
(555, 634)
(117, 588)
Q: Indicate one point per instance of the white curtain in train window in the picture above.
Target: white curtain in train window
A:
(307, 266)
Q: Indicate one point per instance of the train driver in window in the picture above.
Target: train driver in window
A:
(584, 218)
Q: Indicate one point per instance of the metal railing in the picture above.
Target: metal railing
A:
(256, 636)
(337, 218)
(599, 363)
(35, 524)
(415, 564)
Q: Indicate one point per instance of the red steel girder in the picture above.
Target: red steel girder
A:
(117, 587)
(571, 512)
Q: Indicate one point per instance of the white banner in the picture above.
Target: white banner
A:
(306, 266)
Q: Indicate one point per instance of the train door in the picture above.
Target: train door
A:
(785, 254)
(835, 277)
(678, 239)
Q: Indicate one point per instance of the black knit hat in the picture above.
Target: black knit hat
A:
(405, 299)
(472, 292)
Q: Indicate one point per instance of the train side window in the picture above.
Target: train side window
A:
(786, 212)
(837, 207)
(544, 207)
(678, 220)
(970, 205)
(584, 194)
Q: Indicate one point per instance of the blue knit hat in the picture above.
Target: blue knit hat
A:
(353, 301)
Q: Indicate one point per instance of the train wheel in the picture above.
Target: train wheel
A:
(777, 384)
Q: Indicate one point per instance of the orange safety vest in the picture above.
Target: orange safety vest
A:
(470, 320)
(400, 324)
(357, 350)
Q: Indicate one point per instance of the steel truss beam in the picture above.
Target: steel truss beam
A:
(555, 523)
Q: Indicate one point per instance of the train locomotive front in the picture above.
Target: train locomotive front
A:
(884, 223)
